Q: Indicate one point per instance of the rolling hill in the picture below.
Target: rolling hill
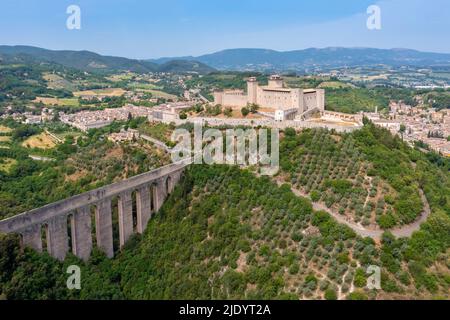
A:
(264, 59)
(185, 66)
(93, 62)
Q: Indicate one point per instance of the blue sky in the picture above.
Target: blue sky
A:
(151, 28)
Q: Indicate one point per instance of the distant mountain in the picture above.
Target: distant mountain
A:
(93, 62)
(168, 59)
(264, 59)
(185, 66)
(82, 60)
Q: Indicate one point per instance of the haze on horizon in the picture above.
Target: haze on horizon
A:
(152, 29)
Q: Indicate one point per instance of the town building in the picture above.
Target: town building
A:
(32, 119)
(86, 120)
(124, 135)
(421, 124)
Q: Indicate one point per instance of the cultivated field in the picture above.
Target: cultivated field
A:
(335, 85)
(161, 94)
(122, 77)
(71, 102)
(110, 92)
(143, 86)
(41, 141)
(55, 81)
(4, 129)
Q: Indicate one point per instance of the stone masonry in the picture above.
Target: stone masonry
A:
(53, 220)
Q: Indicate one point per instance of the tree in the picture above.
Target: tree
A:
(252, 107)
(228, 112)
(24, 131)
(330, 294)
(9, 250)
(315, 196)
(183, 116)
(402, 129)
(357, 295)
(360, 279)
(245, 111)
(198, 108)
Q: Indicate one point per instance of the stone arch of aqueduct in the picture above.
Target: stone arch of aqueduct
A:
(72, 217)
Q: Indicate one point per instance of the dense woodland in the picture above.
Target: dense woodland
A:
(226, 234)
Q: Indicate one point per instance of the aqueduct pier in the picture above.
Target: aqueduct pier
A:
(72, 217)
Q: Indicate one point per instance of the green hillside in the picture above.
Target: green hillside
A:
(226, 234)
(181, 66)
(93, 62)
(81, 60)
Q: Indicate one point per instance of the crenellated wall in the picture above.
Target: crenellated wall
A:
(80, 212)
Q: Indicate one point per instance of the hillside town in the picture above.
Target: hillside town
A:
(414, 124)
(277, 106)
(429, 126)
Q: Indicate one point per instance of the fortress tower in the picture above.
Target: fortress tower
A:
(276, 81)
(252, 87)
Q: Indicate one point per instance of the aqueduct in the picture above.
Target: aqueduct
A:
(72, 218)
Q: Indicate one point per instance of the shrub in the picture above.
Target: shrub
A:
(360, 279)
(245, 112)
(357, 295)
(315, 195)
(330, 294)
(294, 269)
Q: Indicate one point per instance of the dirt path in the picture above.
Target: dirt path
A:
(341, 295)
(408, 230)
(368, 193)
(376, 234)
(156, 142)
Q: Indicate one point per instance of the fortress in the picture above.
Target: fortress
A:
(285, 102)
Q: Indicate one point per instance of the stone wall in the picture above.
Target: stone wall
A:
(234, 99)
(274, 96)
(272, 123)
(53, 220)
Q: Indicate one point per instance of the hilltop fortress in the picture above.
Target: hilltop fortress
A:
(287, 103)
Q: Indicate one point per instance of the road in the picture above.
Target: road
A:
(376, 234)
(39, 158)
(156, 142)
